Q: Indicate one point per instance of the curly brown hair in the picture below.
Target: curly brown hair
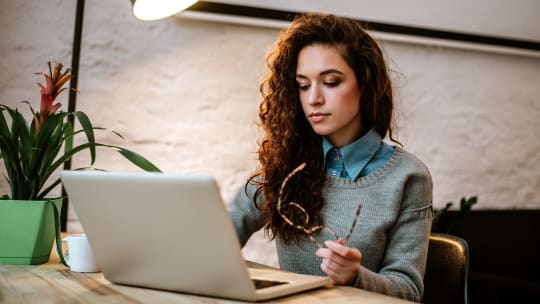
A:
(288, 138)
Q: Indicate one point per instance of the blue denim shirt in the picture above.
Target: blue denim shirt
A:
(357, 159)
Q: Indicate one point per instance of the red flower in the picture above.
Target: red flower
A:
(54, 82)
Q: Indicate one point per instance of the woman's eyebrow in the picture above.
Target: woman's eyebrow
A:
(325, 72)
(331, 71)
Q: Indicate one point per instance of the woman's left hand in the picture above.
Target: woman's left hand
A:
(340, 263)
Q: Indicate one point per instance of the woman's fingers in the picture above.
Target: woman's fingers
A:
(332, 257)
(340, 248)
(340, 263)
(336, 275)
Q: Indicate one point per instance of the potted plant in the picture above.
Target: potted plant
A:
(31, 154)
(442, 223)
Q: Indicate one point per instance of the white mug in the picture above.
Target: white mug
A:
(79, 255)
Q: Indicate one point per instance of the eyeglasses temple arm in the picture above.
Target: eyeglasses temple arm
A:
(358, 210)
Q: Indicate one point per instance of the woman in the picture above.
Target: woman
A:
(327, 103)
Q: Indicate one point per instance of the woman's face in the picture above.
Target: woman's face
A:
(329, 94)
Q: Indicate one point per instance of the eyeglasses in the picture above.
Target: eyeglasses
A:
(296, 216)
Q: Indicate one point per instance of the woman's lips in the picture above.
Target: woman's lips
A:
(318, 117)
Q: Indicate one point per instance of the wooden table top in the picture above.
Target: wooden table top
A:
(54, 283)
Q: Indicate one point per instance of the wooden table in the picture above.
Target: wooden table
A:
(55, 283)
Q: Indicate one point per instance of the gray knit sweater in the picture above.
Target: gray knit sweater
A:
(391, 233)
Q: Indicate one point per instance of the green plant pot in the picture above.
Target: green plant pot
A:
(27, 230)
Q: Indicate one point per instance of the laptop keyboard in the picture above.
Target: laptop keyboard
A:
(260, 284)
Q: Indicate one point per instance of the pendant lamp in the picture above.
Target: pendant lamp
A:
(157, 9)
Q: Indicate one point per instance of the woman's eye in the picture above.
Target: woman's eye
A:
(332, 83)
(303, 87)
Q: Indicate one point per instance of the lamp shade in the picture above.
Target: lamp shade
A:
(157, 9)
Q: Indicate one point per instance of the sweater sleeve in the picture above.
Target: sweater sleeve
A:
(244, 214)
(402, 270)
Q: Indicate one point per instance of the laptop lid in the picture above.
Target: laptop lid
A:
(170, 232)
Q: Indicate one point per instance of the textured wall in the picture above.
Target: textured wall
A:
(184, 93)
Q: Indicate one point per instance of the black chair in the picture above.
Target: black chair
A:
(447, 270)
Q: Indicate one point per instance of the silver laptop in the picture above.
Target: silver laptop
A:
(171, 232)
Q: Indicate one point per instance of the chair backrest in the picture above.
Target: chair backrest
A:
(447, 270)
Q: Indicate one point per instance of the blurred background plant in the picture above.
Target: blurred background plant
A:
(441, 222)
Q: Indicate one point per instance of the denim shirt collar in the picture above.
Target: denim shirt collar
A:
(357, 154)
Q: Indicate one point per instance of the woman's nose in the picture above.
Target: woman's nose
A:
(315, 95)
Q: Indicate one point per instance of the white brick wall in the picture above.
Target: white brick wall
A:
(184, 93)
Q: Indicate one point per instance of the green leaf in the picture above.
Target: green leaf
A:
(21, 135)
(49, 141)
(46, 191)
(9, 147)
(465, 204)
(135, 158)
(68, 137)
(46, 140)
(87, 127)
(64, 158)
